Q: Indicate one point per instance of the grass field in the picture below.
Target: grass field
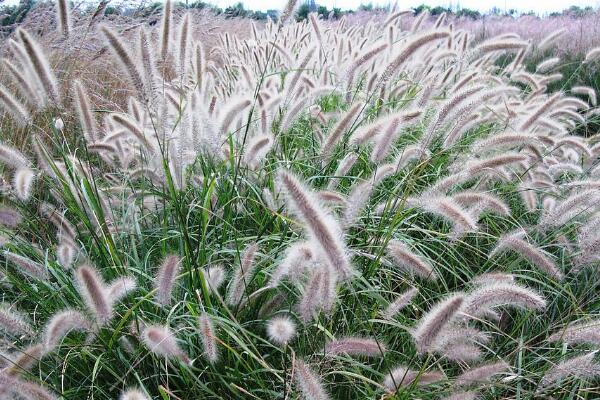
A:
(311, 210)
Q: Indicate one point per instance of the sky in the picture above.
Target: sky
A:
(539, 6)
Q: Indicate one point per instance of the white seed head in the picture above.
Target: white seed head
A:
(281, 330)
(59, 124)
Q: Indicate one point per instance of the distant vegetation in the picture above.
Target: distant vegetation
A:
(13, 14)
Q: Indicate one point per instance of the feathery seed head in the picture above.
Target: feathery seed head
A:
(133, 394)
(215, 276)
(119, 288)
(409, 260)
(14, 158)
(480, 374)
(91, 287)
(161, 341)
(402, 376)
(59, 124)
(321, 225)
(288, 11)
(23, 183)
(63, 17)
(15, 108)
(39, 64)
(27, 266)
(165, 279)
(536, 256)
(580, 333)
(12, 322)
(355, 346)
(470, 395)
(208, 338)
(435, 321)
(580, 367)
(242, 276)
(66, 253)
(281, 330)
(9, 217)
(61, 324)
(308, 382)
(19, 388)
(495, 294)
(401, 302)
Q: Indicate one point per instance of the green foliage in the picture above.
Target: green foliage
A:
(305, 8)
(466, 12)
(577, 11)
(574, 73)
(302, 12)
(14, 14)
(439, 10)
(236, 10)
(322, 10)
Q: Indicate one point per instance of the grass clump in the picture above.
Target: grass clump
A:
(321, 211)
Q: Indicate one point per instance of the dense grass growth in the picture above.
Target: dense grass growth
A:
(575, 74)
(320, 211)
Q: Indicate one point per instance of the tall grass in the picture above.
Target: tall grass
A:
(319, 211)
